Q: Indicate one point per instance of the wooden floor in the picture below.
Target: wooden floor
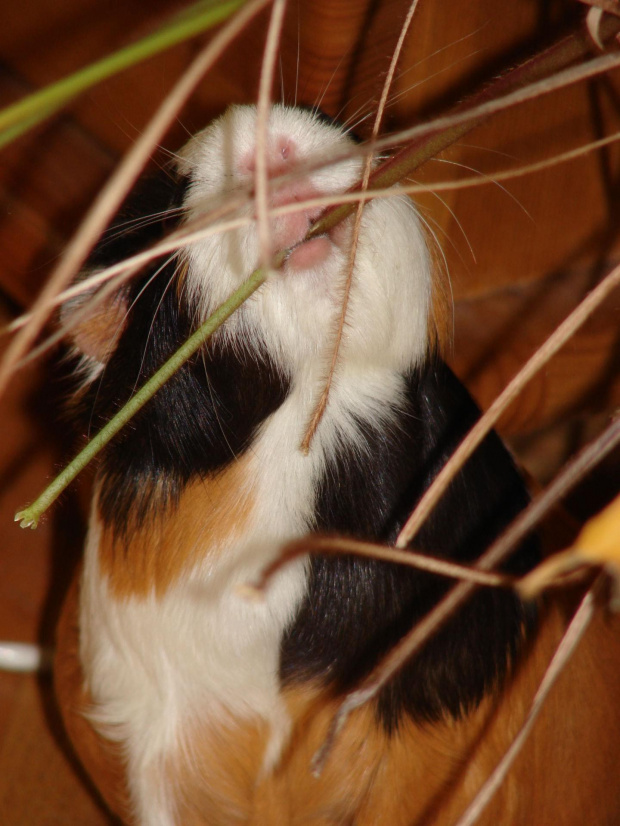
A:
(40, 782)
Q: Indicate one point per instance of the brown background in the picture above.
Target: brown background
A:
(520, 257)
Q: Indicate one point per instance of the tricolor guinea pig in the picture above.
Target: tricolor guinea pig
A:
(187, 703)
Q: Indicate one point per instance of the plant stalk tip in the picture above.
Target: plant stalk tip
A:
(26, 518)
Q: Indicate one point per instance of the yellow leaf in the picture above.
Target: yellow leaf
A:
(599, 541)
(597, 544)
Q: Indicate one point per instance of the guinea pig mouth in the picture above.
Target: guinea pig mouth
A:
(289, 231)
(309, 254)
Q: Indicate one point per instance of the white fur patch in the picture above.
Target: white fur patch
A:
(201, 654)
(293, 312)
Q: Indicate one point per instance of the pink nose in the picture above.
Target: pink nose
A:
(281, 157)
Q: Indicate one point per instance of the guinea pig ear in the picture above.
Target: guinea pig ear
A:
(94, 322)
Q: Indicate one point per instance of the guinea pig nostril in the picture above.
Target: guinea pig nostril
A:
(284, 154)
(281, 153)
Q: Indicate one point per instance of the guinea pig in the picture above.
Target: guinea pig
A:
(189, 704)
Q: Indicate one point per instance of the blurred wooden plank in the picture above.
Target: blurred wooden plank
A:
(47, 180)
(39, 780)
(498, 332)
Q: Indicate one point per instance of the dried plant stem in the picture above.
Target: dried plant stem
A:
(363, 187)
(334, 545)
(320, 407)
(564, 652)
(30, 516)
(475, 436)
(261, 178)
(542, 74)
(114, 191)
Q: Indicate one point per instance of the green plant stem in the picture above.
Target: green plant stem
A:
(29, 516)
(26, 113)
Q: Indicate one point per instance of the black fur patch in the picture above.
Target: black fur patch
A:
(153, 208)
(356, 609)
(203, 417)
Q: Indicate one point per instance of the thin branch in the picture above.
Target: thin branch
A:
(261, 177)
(363, 187)
(334, 545)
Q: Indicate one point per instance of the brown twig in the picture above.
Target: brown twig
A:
(320, 407)
(261, 177)
(335, 545)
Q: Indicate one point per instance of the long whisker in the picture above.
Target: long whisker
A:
(490, 179)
